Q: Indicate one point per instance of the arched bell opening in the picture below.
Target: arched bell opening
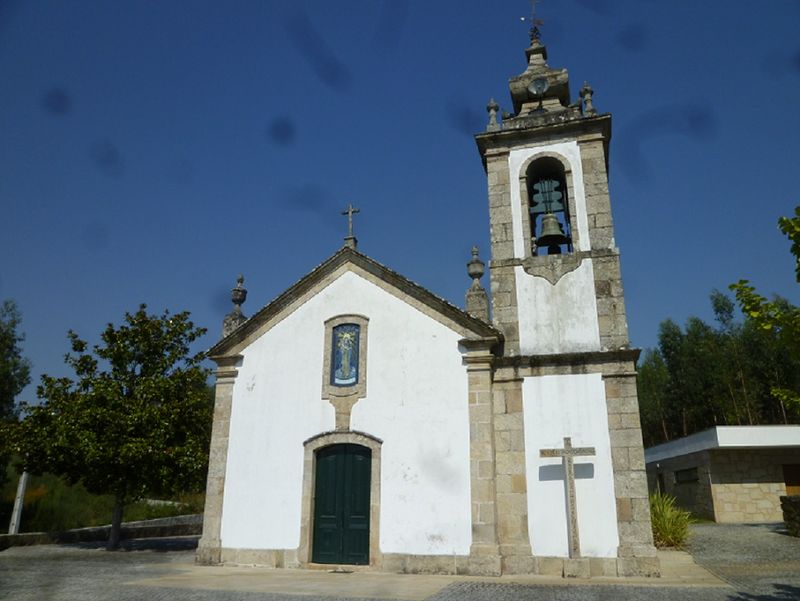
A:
(548, 207)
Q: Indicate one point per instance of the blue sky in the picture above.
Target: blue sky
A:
(150, 151)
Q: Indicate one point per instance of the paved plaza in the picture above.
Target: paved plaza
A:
(728, 563)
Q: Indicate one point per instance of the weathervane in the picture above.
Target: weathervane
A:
(534, 31)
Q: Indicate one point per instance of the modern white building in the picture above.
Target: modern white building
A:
(729, 473)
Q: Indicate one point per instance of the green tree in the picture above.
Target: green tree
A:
(777, 316)
(702, 376)
(135, 421)
(14, 376)
(652, 380)
(14, 368)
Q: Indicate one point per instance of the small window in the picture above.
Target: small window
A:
(686, 476)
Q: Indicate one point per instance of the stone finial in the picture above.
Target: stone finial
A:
(475, 268)
(235, 318)
(239, 294)
(492, 109)
(477, 299)
(586, 95)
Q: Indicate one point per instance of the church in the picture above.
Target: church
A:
(360, 420)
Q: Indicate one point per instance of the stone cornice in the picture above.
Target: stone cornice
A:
(479, 344)
(622, 355)
(553, 267)
(478, 354)
(574, 129)
(226, 365)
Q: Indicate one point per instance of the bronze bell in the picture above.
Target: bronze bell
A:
(552, 235)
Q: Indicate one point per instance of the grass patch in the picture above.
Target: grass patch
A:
(670, 522)
(52, 505)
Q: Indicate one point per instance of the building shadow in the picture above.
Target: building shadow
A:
(782, 592)
(556, 472)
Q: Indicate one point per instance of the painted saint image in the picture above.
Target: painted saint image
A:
(345, 354)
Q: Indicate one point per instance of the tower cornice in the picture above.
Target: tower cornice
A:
(503, 141)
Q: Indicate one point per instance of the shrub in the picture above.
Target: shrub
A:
(791, 513)
(670, 522)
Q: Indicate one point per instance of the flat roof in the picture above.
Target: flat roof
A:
(727, 437)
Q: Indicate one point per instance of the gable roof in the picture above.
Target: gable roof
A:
(397, 284)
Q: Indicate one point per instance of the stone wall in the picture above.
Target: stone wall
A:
(694, 496)
(748, 483)
(732, 485)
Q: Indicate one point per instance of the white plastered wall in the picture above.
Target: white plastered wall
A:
(561, 317)
(416, 403)
(573, 406)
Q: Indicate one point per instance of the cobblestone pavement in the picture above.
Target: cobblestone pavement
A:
(88, 573)
(759, 562)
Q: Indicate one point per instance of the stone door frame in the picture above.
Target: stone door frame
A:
(311, 446)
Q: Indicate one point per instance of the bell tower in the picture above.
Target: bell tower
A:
(554, 268)
(565, 374)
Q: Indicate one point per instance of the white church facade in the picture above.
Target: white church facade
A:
(362, 420)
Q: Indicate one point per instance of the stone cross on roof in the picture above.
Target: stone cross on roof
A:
(568, 454)
(350, 240)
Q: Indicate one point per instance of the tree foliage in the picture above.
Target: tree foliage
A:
(14, 376)
(777, 316)
(14, 368)
(705, 375)
(136, 419)
(733, 373)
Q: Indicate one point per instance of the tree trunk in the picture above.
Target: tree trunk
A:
(116, 524)
(746, 398)
(735, 405)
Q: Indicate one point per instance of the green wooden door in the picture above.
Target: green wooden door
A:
(341, 505)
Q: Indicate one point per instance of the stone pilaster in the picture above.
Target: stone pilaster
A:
(484, 554)
(512, 485)
(501, 265)
(595, 187)
(501, 230)
(636, 553)
(611, 318)
(209, 548)
(606, 261)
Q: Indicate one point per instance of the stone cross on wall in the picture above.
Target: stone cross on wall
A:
(568, 454)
